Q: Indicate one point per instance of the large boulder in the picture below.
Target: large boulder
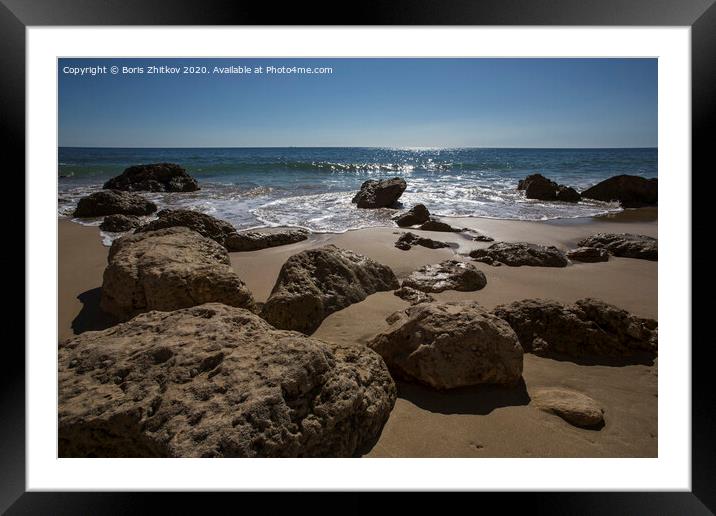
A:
(380, 194)
(217, 381)
(588, 328)
(588, 254)
(169, 269)
(155, 177)
(630, 191)
(567, 194)
(574, 407)
(516, 254)
(413, 296)
(120, 223)
(626, 245)
(206, 225)
(447, 275)
(449, 345)
(416, 215)
(407, 240)
(265, 238)
(113, 202)
(536, 186)
(436, 225)
(317, 282)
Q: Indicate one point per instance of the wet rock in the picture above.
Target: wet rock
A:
(416, 215)
(113, 202)
(119, 223)
(408, 240)
(447, 275)
(626, 245)
(630, 191)
(588, 254)
(413, 296)
(536, 186)
(263, 239)
(380, 194)
(574, 407)
(436, 225)
(567, 194)
(206, 225)
(516, 254)
(155, 177)
(483, 238)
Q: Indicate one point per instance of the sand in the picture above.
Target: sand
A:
(475, 422)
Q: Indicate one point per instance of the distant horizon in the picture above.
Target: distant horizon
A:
(346, 147)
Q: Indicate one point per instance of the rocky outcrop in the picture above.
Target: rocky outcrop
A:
(317, 282)
(536, 186)
(483, 238)
(413, 296)
(449, 345)
(630, 191)
(625, 245)
(407, 240)
(588, 254)
(166, 270)
(436, 225)
(574, 407)
(380, 194)
(416, 215)
(217, 381)
(516, 254)
(587, 328)
(113, 202)
(256, 240)
(567, 194)
(205, 225)
(155, 177)
(447, 275)
(119, 223)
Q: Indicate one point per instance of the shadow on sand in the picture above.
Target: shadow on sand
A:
(91, 317)
(637, 358)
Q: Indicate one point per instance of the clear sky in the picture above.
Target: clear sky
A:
(364, 102)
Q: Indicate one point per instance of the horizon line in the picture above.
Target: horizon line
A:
(417, 147)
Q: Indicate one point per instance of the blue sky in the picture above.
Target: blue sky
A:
(364, 102)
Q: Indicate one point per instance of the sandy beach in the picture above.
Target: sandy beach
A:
(471, 422)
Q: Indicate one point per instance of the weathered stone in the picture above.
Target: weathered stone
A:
(413, 296)
(574, 407)
(416, 215)
(625, 245)
(206, 225)
(630, 191)
(588, 254)
(408, 240)
(567, 194)
(536, 186)
(436, 225)
(256, 240)
(447, 275)
(483, 238)
(119, 223)
(516, 254)
(113, 202)
(155, 177)
(380, 194)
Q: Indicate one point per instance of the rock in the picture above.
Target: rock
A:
(206, 225)
(217, 381)
(574, 407)
(449, 345)
(416, 215)
(568, 194)
(317, 282)
(169, 269)
(407, 240)
(255, 240)
(447, 275)
(155, 177)
(483, 238)
(630, 191)
(516, 254)
(113, 202)
(380, 194)
(413, 296)
(588, 254)
(536, 186)
(435, 225)
(587, 328)
(119, 223)
(626, 245)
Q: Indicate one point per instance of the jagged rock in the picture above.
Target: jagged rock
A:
(483, 238)
(413, 296)
(113, 202)
(574, 407)
(447, 275)
(155, 177)
(416, 215)
(119, 223)
(448, 345)
(408, 240)
(626, 245)
(567, 194)
(380, 194)
(516, 254)
(536, 186)
(217, 381)
(206, 225)
(436, 225)
(588, 254)
(587, 328)
(630, 191)
(317, 282)
(168, 269)
(255, 240)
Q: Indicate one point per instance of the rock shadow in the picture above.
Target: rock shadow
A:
(91, 317)
(638, 358)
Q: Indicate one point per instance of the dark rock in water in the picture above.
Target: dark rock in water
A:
(166, 270)
(380, 194)
(407, 240)
(588, 254)
(447, 275)
(206, 225)
(416, 215)
(630, 191)
(588, 328)
(413, 296)
(155, 177)
(568, 194)
(574, 407)
(255, 240)
(119, 223)
(217, 381)
(626, 245)
(483, 238)
(516, 254)
(436, 225)
(317, 282)
(450, 345)
(113, 202)
(537, 186)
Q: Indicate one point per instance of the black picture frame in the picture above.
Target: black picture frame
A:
(700, 15)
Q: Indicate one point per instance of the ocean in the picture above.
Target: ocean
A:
(313, 187)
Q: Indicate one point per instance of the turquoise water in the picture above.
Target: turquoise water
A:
(312, 187)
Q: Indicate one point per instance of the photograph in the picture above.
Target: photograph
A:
(357, 257)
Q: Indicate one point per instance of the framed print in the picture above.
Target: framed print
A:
(419, 252)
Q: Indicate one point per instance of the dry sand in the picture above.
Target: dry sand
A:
(476, 422)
